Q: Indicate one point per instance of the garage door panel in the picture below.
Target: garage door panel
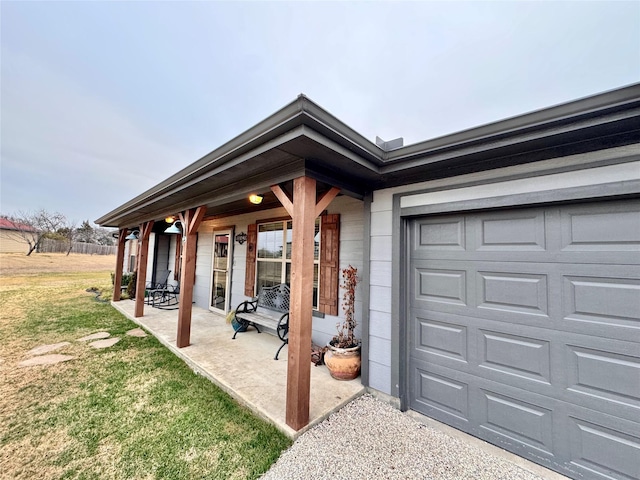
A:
(603, 446)
(446, 339)
(512, 231)
(605, 380)
(443, 394)
(505, 419)
(525, 357)
(603, 301)
(601, 228)
(440, 234)
(445, 286)
(513, 292)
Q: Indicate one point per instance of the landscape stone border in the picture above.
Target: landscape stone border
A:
(97, 340)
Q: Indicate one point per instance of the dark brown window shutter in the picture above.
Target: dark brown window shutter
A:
(250, 271)
(329, 263)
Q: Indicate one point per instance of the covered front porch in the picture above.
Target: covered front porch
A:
(244, 367)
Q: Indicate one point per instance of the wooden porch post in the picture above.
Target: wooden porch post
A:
(190, 222)
(117, 280)
(141, 279)
(303, 211)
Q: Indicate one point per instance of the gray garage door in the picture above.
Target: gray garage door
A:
(524, 330)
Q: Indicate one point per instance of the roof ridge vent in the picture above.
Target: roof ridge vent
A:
(391, 144)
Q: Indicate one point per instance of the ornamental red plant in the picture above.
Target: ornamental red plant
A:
(345, 337)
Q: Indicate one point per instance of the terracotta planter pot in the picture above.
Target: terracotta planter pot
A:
(343, 363)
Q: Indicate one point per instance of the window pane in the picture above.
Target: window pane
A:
(315, 282)
(270, 242)
(316, 240)
(269, 274)
(289, 238)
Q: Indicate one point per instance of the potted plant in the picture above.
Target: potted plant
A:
(343, 351)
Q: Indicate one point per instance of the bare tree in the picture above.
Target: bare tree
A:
(32, 227)
(85, 232)
(68, 233)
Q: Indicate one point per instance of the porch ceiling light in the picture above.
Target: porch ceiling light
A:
(170, 219)
(255, 198)
(133, 235)
(174, 228)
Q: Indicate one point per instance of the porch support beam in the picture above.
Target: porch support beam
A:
(190, 220)
(141, 276)
(283, 198)
(117, 279)
(303, 210)
(326, 200)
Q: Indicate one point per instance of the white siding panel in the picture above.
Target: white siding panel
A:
(380, 274)
(380, 377)
(382, 200)
(380, 299)
(381, 223)
(380, 350)
(381, 248)
(380, 324)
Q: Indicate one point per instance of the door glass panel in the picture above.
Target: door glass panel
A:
(220, 275)
(219, 291)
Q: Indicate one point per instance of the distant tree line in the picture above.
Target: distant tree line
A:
(33, 228)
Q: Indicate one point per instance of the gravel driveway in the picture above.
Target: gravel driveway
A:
(368, 439)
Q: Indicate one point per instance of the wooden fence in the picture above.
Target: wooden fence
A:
(58, 246)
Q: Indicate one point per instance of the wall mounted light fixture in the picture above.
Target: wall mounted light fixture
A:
(241, 238)
(255, 198)
(134, 235)
(173, 228)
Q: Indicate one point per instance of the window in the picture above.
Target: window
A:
(273, 259)
(269, 259)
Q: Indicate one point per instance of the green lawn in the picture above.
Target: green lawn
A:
(129, 411)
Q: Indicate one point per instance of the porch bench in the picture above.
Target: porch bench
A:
(269, 309)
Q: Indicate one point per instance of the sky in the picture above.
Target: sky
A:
(100, 101)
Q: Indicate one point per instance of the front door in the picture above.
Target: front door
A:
(221, 271)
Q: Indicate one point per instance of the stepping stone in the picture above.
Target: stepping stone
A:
(95, 336)
(137, 332)
(109, 342)
(45, 360)
(42, 349)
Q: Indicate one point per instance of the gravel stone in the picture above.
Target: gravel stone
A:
(369, 439)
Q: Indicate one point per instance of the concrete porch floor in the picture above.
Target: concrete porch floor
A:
(244, 367)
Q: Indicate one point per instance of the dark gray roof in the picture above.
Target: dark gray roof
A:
(304, 139)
